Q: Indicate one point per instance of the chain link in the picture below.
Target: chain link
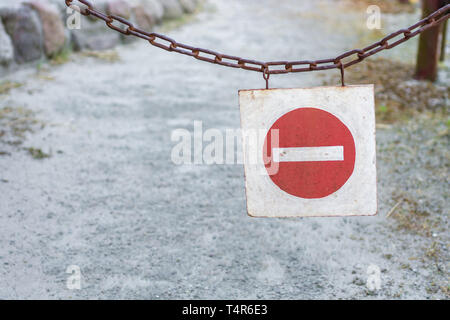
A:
(267, 68)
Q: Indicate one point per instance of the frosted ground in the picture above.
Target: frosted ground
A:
(110, 201)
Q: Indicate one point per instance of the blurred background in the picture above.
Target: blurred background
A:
(89, 194)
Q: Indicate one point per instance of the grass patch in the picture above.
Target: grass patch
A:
(15, 122)
(106, 55)
(411, 218)
(433, 252)
(397, 95)
(37, 153)
(7, 86)
(45, 77)
(172, 24)
(61, 57)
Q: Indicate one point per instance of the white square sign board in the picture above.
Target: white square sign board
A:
(314, 154)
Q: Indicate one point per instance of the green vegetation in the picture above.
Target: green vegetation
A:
(397, 96)
(15, 122)
(37, 153)
(62, 57)
(171, 24)
(7, 86)
(106, 55)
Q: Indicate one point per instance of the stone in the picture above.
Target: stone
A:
(154, 8)
(119, 8)
(144, 19)
(122, 9)
(60, 5)
(52, 26)
(8, 4)
(23, 26)
(188, 6)
(6, 47)
(93, 33)
(172, 9)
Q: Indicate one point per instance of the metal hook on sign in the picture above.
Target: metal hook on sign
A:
(342, 73)
(266, 76)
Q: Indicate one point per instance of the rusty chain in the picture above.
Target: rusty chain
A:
(271, 67)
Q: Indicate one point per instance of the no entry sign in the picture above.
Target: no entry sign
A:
(317, 153)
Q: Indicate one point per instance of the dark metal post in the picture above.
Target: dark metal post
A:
(429, 44)
(443, 41)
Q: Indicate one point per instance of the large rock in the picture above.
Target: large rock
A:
(40, 26)
(23, 25)
(6, 47)
(52, 26)
(143, 17)
(61, 5)
(154, 8)
(188, 6)
(122, 9)
(119, 8)
(172, 9)
(94, 34)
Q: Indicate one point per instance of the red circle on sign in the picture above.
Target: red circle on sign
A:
(310, 172)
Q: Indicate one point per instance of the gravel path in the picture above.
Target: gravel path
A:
(110, 201)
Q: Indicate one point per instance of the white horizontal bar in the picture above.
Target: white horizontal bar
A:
(332, 153)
